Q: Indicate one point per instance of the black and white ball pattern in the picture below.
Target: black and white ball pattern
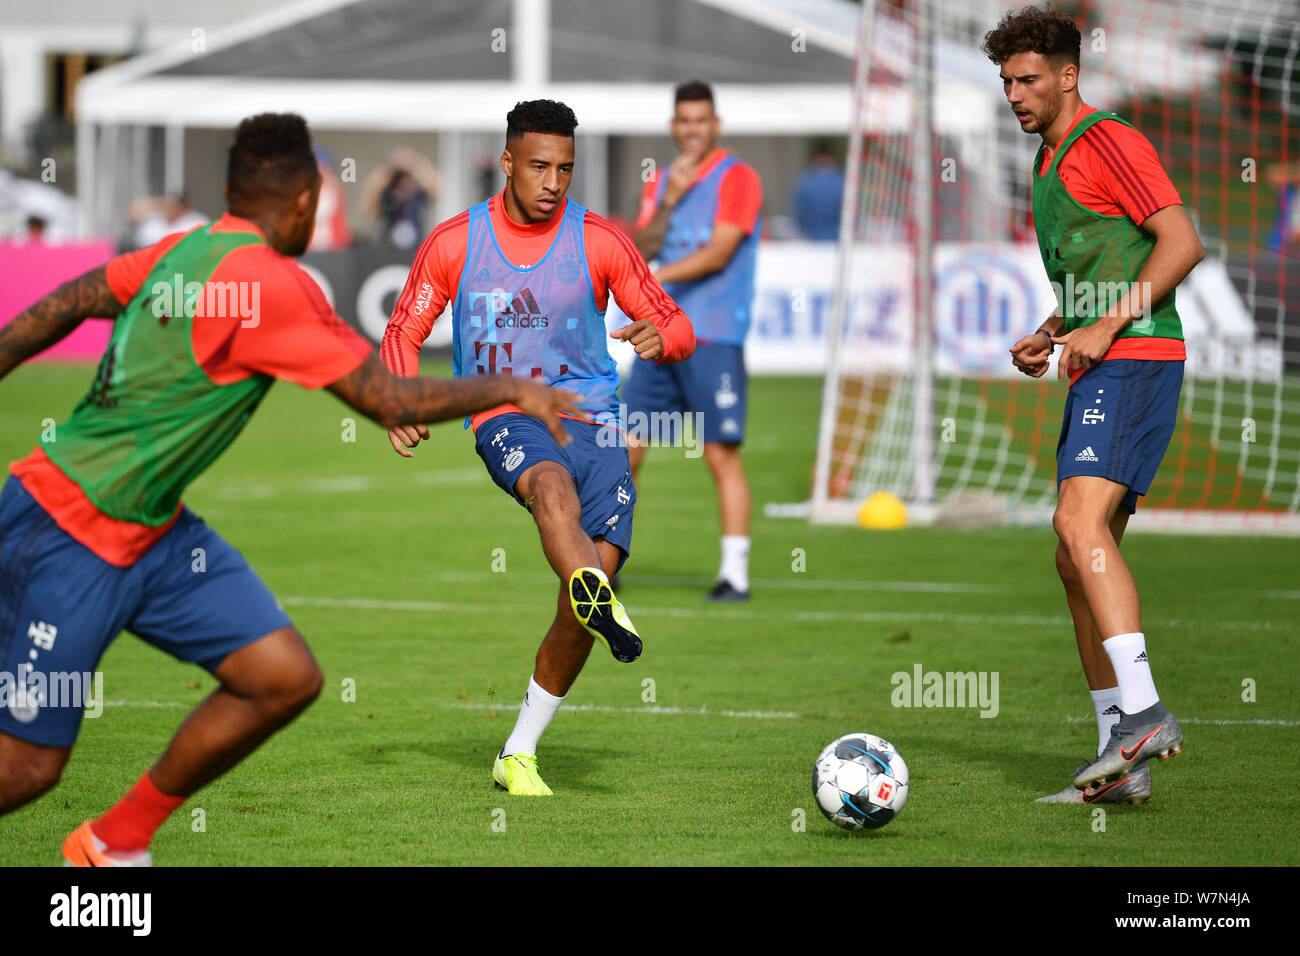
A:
(860, 781)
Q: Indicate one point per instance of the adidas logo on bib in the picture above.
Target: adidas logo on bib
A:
(1087, 455)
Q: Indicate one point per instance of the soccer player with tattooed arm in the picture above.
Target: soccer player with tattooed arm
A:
(529, 274)
(1115, 242)
(94, 537)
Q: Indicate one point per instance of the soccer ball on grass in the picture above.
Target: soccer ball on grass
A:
(860, 782)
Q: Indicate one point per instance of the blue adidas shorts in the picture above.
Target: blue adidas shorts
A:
(1119, 418)
(191, 595)
(596, 459)
(712, 382)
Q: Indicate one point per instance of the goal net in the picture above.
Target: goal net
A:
(938, 271)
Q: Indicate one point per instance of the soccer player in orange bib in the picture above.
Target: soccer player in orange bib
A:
(93, 535)
(529, 274)
(1107, 218)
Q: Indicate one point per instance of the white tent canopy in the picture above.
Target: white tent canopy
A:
(354, 63)
(452, 67)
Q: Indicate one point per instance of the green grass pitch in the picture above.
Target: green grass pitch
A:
(386, 566)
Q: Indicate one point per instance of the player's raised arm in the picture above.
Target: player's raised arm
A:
(660, 330)
(740, 200)
(649, 237)
(55, 316)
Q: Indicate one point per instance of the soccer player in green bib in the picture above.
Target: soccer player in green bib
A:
(1115, 242)
(94, 538)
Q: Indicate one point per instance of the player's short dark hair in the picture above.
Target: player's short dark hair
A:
(549, 117)
(1035, 30)
(691, 91)
(272, 154)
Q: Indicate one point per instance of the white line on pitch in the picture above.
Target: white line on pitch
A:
(741, 614)
(778, 584)
(600, 708)
(240, 489)
(378, 604)
(1262, 722)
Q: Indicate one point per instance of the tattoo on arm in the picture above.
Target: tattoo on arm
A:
(651, 239)
(56, 315)
(390, 400)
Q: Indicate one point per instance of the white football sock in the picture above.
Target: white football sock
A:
(535, 715)
(1103, 701)
(1128, 655)
(735, 561)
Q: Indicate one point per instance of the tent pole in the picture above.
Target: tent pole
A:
(85, 179)
(530, 46)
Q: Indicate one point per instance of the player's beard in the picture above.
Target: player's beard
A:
(1042, 120)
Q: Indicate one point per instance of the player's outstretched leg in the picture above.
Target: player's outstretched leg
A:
(1145, 728)
(559, 661)
(602, 614)
(1097, 668)
(1133, 788)
(548, 489)
(264, 685)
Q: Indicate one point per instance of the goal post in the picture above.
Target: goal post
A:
(938, 270)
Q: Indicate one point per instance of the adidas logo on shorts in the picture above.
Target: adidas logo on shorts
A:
(1087, 455)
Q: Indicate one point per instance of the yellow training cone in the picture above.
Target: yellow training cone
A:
(882, 512)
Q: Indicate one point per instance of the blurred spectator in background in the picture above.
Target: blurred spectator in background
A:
(332, 231)
(22, 200)
(1285, 238)
(36, 230)
(153, 218)
(818, 195)
(397, 194)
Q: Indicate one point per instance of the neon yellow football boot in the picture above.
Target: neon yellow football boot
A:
(602, 614)
(517, 773)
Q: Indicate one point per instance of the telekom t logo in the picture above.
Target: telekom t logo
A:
(496, 352)
(493, 349)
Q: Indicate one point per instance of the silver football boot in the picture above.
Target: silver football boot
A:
(1135, 739)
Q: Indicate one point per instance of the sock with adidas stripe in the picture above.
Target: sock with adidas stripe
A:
(1106, 704)
(535, 715)
(1128, 655)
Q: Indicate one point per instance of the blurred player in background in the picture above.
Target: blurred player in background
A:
(1106, 217)
(702, 222)
(333, 231)
(155, 217)
(397, 193)
(93, 535)
(817, 201)
(529, 274)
